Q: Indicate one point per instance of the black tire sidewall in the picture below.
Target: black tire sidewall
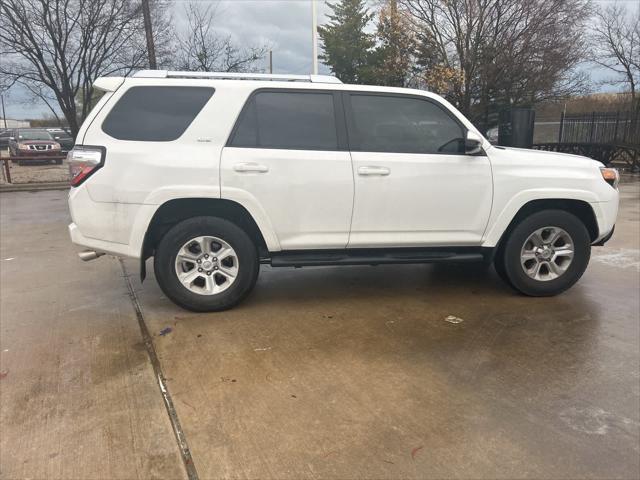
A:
(547, 218)
(178, 235)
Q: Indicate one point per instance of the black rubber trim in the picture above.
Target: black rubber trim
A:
(604, 240)
(371, 256)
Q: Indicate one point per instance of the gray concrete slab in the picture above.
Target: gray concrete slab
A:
(78, 397)
(323, 373)
(353, 372)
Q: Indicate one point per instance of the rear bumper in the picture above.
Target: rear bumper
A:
(99, 246)
(105, 227)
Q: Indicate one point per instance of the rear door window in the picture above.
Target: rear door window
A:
(155, 113)
(287, 120)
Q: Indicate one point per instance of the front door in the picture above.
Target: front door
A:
(414, 185)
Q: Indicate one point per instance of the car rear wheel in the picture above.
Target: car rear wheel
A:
(545, 254)
(206, 264)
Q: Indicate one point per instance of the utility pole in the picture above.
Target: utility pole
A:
(4, 115)
(314, 37)
(270, 61)
(151, 49)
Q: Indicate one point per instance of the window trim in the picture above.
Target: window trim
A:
(132, 87)
(351, 127)
(338, 113)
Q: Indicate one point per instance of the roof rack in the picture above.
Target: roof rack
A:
(237, 76)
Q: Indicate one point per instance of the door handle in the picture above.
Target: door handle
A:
(251, 167)
(367, 171)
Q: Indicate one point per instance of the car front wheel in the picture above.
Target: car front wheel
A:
(546, 253)
(206, 264)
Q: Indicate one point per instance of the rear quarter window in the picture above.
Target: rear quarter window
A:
(155, 114)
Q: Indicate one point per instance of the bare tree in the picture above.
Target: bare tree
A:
(201, 48)
(57, 48)
(499, 51)
(616, 36)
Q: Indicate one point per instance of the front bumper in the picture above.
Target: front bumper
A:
(606, 216)
(605, 239)
(37, 154)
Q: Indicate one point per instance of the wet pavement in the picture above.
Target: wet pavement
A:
(345, 372)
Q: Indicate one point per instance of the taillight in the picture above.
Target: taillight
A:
(83, 161)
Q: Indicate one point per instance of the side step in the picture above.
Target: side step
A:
(366, 256)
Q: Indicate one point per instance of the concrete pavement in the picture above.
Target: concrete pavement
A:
(78, 397)
(345, 372)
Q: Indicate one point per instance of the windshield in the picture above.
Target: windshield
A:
(34, 135)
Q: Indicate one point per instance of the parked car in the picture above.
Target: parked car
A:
(33, 144)
(63, 137)
(231, 171)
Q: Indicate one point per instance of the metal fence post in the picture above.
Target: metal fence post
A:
(593, 124)
(7, 171)
(561, 127)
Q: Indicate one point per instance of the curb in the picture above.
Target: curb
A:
(33, 187)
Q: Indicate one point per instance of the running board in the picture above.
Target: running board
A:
(314, 258)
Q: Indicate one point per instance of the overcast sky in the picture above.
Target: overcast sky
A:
(283, 25)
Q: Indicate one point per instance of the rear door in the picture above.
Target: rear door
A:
(287, 161)
(414, 185)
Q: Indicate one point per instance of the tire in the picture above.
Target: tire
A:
(536, 259)
(201, 294)
(59, 162)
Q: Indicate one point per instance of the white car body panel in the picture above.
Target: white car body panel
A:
(306, 194)
(521, 176)
(423, 200)
(316, 199)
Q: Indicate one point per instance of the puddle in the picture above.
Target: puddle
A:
(618, 258)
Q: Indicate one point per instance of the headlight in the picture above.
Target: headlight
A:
(611, 176)
(22, 146)
(55, 146)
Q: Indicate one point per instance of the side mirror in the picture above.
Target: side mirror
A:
(473, 143)
(56, 138)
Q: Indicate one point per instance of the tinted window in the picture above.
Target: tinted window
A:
(156, 114)
(403, 124)
(291, 120)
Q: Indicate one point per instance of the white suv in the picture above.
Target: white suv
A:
(213, 174)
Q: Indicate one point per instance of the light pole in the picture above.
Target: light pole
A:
(151, 49)
(314, 37)
(4, 115)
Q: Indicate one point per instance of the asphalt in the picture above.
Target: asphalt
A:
(350, 372)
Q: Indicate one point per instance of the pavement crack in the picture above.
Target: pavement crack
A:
(181, 439)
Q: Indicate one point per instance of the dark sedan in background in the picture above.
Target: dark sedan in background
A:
(63, 137)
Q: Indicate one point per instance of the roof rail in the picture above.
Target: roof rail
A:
(236, 76)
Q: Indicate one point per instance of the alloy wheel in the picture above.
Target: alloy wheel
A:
(207, 265)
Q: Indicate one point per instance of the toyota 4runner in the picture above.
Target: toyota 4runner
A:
(213, 174)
